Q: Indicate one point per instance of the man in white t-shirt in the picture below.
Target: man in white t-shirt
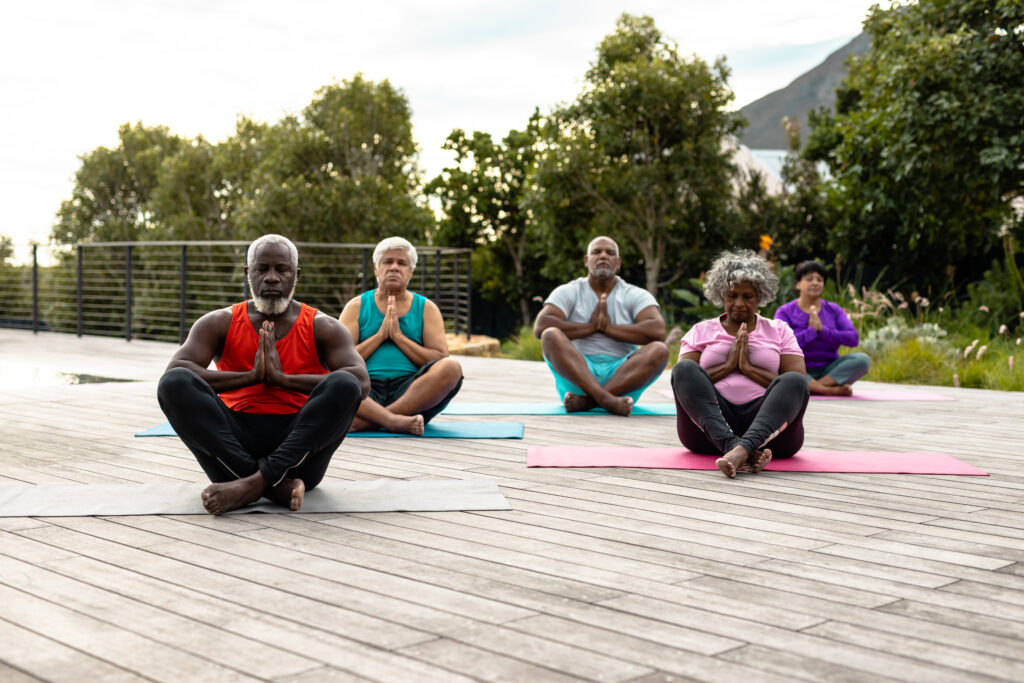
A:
(604, 339)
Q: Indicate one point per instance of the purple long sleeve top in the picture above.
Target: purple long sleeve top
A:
(820, 348)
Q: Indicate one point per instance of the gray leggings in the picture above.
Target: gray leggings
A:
(708, 423)
(845, 369)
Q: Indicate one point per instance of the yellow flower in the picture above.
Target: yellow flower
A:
(766, 242)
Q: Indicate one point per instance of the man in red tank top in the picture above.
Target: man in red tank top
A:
(287, 383)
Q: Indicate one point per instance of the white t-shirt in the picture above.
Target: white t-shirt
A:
(577, 300)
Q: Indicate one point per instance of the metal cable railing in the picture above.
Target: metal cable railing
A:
(156, 290)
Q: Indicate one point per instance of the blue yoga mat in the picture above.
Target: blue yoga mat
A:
(530, 408)
(433, 430)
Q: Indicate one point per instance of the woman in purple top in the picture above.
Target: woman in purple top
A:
(821, 327)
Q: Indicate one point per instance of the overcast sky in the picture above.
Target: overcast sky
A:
(72, 71)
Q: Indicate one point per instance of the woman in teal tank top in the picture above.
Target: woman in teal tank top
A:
(400, 335)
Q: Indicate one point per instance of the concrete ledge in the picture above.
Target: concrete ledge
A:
(475, 345)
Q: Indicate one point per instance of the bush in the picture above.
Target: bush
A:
(523, 346)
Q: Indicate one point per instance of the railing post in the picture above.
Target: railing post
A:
(362, 271)
(183, 295)
(437, 277)
(455, 313)
(35, 289)
(469, 294)
(246, 293)
(78, 288)
(128, 293)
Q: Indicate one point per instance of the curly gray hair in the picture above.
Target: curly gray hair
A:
(733, 267)
(390, 243)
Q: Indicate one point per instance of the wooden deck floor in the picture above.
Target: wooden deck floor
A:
(597, 574)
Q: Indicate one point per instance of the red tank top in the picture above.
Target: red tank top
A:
(298, 357)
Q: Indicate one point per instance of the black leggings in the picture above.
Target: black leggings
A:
(708, 423)
(231, 445)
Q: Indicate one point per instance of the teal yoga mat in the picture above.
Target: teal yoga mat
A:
(534, 408)
(433, 430)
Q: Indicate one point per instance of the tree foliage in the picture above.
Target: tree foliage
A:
(345, 170)
(482, 207)
(639, 156)
(927, 143)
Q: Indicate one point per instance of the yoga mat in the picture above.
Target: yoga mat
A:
(381, 495)
(870, 395)
(533, 408)
(433, 430)
(807, 460)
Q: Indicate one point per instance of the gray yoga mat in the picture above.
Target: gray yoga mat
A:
(381, 495)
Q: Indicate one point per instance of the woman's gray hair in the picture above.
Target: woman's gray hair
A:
(395, 243)
(250, 256)
(733, 267)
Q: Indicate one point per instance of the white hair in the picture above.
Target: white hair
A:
(602, 237)
(250, 257)
(734, 267)
(395, 243)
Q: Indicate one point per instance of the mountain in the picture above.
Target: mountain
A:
(815, 88)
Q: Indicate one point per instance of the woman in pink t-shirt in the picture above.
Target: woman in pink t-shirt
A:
(740, 383)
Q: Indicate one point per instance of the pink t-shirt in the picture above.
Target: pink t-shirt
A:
(769, 340)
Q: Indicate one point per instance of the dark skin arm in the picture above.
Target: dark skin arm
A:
(553, 316)
(649, 325)
(205, 342)
(334, 346)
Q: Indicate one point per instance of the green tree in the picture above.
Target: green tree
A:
(343, 171)
(927, 143)
(110, 199)
(481, 199)
(639, 155)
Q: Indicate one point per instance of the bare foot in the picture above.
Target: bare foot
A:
(405, 424)
(674, 335)
(231, 495)
(758, 459)
(827, 386)
(575, 403)
(732, 461)
(618, 405)
(289, 493)
(398, 424)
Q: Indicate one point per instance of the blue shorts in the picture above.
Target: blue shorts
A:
(603, 368)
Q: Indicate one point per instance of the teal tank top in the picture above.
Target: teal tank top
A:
(388, 360)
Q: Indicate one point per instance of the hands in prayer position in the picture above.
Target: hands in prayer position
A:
(813, 321)
(599, 318)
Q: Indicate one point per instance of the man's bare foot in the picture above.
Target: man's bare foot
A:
(758, 459)
(618, 405)
(731, 462)
(575, 403)
(674, 335)
(231, 495)
(288, 493)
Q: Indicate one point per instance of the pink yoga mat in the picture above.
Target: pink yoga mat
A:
(870, 395)
(807, 460)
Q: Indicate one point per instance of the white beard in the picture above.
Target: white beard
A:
(272, 305)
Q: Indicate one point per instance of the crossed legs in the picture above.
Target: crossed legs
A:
(708, 423)
(409, 413)
(639, 369)
(247, 455)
